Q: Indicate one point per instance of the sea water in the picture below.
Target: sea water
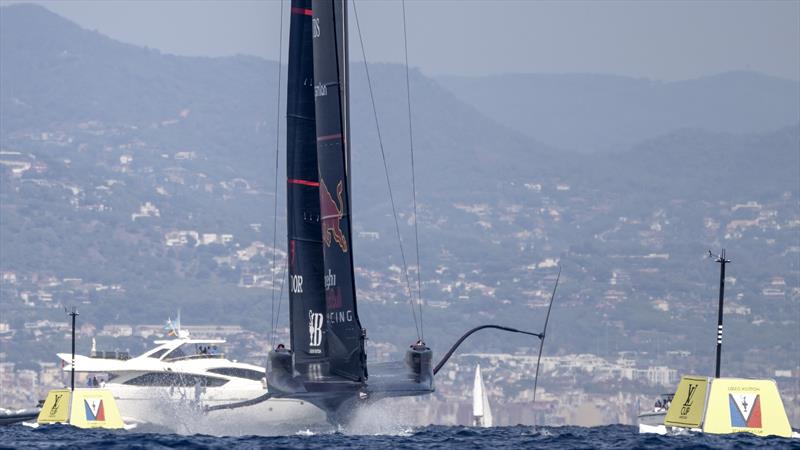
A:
(430, 437)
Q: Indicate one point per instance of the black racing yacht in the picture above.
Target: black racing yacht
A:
(326, 362)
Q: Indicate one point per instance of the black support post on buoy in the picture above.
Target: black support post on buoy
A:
(74, 314)
(722, 261)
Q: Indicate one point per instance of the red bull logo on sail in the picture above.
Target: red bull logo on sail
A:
(332, 215)
(333, 298)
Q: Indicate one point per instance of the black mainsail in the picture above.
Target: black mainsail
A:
(306, 290)
(327, 363)
(345, 338)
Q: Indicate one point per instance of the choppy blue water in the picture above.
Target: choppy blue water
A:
(432, 437)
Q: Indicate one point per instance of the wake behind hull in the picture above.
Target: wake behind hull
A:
(175, 410)
(12, 417)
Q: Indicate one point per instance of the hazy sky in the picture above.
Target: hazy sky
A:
(662, 40)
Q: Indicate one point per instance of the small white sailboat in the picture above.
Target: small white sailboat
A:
(481, 412)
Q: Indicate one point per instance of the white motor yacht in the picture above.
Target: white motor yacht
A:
(655, 417)
(171, 385)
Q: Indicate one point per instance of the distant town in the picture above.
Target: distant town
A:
(574, 389)
(587, 388)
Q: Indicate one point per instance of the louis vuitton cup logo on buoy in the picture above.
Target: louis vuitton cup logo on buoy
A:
(315, 321)
(687, 405)
(56, 402)
(332, 214)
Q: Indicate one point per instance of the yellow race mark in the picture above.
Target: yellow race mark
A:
(738, 405)
(688, 406)
(56, 407)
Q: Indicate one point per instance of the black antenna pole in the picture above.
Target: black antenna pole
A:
(722, 261)
(544, 333)
(74, 314)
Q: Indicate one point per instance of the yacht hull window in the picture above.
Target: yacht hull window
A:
(175, 379)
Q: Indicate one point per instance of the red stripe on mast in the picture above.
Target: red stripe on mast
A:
(304, 11)
(303, 182)
(329, 137)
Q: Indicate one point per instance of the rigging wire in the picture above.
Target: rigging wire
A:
(274, 318)
(413, 177)
(386, 171)
(280, 299)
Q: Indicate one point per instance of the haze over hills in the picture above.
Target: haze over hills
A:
(124, 100)
(72, 75)
(57, 73)
(124, 168)
(603, 113)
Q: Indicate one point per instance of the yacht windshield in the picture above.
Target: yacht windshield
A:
(157, 354)
(193, 351)
(178, 353)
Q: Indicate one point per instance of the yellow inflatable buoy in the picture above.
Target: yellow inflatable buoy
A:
(729, 405)
(83, 408)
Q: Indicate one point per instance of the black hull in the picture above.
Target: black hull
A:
(340, 397)
(17, 417)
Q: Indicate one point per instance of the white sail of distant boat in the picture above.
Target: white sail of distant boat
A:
(481, 412)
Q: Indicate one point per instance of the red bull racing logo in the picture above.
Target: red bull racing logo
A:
(332, 215)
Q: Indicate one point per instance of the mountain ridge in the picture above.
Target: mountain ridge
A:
(134, 85)
(611, 113)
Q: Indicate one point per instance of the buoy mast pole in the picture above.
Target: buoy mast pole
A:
(722, 261)
(74, 314)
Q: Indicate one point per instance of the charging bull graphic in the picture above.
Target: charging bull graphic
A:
(332, 215)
